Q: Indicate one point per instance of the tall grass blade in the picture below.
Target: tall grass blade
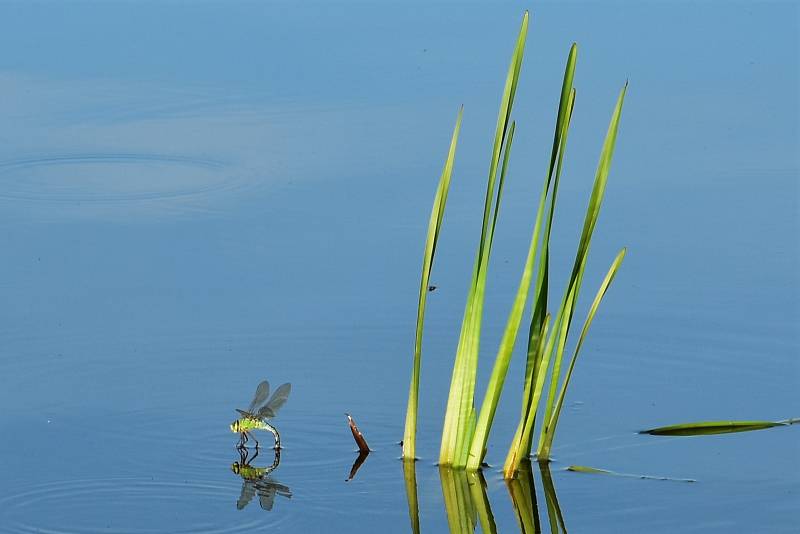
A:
(544, 451)
(573, 287)
(539, 355)
(434, 225)
(460, 415)
(503, 358)
(520, 445)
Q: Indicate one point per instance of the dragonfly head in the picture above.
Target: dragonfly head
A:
(235, 467)
(235, 427)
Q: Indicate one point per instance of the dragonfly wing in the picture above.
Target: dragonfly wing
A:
(248, 492)
(278, 399)
(262, 392)
(266, 496)
(282, 490)
(244, 413)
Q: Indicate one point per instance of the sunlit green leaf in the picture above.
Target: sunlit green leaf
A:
(704, 428)
(434, 225)
(460, 416)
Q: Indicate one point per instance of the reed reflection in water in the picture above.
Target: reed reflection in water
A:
(467, 503)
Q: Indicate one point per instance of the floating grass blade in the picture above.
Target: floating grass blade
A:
(589, 470)
(503, 358)
(459, 423)
(544, 450)
(434, 225)
(596, 471)
(705, 428)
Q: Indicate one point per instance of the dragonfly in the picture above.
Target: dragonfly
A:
(259, 411)
(257, 481)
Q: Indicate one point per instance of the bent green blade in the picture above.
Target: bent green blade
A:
(704, 428)
(434, 225)
(544, 451)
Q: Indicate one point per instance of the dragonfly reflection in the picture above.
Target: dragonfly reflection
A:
(257, 480)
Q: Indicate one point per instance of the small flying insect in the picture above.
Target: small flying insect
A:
(259, 411)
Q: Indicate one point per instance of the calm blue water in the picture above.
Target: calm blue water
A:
(194, 198)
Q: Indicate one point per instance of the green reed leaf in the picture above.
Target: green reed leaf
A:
(434, 225)
(460, 416)
(705, 428)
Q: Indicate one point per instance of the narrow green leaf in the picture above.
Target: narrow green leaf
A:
(495, 387)
(612, 272)
(460, 414)
(573, 287)
(520, 446)
(563, 120)
(592, 470)
(434, 225)
(714, 427)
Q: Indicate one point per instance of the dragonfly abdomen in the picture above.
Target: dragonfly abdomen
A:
(245, 424)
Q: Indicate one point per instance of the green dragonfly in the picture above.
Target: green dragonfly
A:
(259, 411)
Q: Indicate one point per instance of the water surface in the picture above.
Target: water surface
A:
(194, 199)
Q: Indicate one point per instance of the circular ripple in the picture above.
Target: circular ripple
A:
(112, 177)
(200, 446)
(128, 504)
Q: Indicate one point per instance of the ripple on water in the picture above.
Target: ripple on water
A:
(206, 444)
(113, 178)
(129, 504)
